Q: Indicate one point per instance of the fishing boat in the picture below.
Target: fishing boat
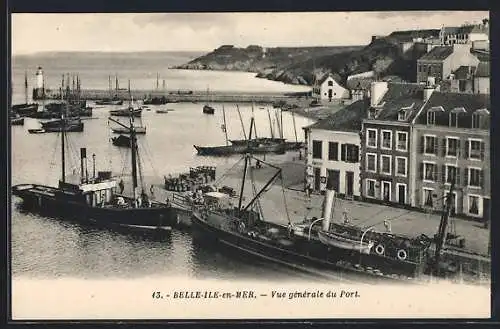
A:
(138, 130)
(221, 150)
(96, 199)
(162, 111)
(25, 109)
(19, 121)
(316, 245)
(121, 141)
(136, 112)
(155, 101)
(36, 131)
(207, 109)
(107, 101)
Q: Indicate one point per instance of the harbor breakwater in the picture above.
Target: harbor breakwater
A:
(177, 95)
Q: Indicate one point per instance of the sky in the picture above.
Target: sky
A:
(32, 33)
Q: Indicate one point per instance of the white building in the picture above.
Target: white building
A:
(328, 89)
(482, 78)
(333, 146)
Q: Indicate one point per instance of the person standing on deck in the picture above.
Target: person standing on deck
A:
(122, 186)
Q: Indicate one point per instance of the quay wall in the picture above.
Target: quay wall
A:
(176, 95)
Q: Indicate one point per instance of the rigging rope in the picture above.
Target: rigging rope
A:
(284, 197)
(259, 206)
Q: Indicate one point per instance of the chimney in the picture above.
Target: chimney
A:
(327, 209)
(377, 91)
(429, 88)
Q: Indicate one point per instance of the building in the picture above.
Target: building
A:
(333, 151)
(329, 89)
(450, 35)
(462, 80)
(385, 141)
(482, 78)
(451, 140)
(441, 61)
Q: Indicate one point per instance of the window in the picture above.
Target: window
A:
(371, 140)
(475, 149)
(452, 146)
(429, 172)
(370, 188)
(401, 166)
(453, 120)
(475, 177)
(476, 118)
(371, 162)
(333, 151)
(317, 148)
(474, 205)
(385, 164)
(430, 145)
(402, 115)
(402, 141)
(427, 197)
(431, 117)
(350, 153)
(330, 83)
(450, 172)
(461, 85)
(386, 139)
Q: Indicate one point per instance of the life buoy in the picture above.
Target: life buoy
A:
(402, 254)
(379, 249)
(241, 227)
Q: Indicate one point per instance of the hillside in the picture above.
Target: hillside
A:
(384, 55)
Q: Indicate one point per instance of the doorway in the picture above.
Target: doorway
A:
(401, 193)
(349, 181)
(386, 191)
(333, 180)
(317, 178)
(330, 94)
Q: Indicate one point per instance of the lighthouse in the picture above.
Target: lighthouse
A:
(39, 90)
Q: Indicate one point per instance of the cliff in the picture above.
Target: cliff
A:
(386, 56)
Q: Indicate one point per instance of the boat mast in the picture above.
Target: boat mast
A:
(270, 123)
(247, 158)
(254, 125)
(133, 143)
(225, 127)
(63, 128)
(241, 121)
(26, 87)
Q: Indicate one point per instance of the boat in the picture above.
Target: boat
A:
(121, 130)
(207, 109)
(95, 199)
(316, 245)
(107, 101)
(121, 141)
(221, 150)
(17, 121)
(70, 127)
(155, 101)
(136, 112)
(36, 131)
(162, 111)
(25, 109)
(256, 141)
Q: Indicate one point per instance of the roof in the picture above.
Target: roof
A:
(483, 70)
(326, 76)
(399, 96)
(464, 72)
(411, 34)
(447, 101)
(217, 195)
(438, 53)
(359, 83)
(347, 119)
(481, 54)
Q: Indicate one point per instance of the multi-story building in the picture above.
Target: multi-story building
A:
(450, 35)
(333, 151)
(451, 141)
(470, 79)
(385, 141)
(441, 61)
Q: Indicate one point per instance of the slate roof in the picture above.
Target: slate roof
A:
(483, 70)
(481, 55)
(326, 76)
(438, 53)
(398, 96)
(347, 119)
(359, 83)
(449, 101)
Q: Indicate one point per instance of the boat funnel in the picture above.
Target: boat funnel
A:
(327, 210)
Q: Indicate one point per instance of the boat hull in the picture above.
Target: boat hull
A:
(208, 109)
(68, 128)
(221, 150)
(311, 254)
(126, 113)
(120, 130)
(47, 199)
(17, 121)
(25, 109)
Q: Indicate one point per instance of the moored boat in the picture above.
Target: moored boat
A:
(36, 131)
(162, 111)
(121, 141)
(220, 150)
(17, 121)
(121, 130)
(136, 112)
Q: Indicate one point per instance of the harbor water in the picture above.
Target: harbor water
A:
(44, 247)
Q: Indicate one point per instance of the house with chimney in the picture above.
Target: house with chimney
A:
(386, 136)
(328, 89)
(451, 143)
(441, 61)
(450, 35)
(333, 151)
(471, 79)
